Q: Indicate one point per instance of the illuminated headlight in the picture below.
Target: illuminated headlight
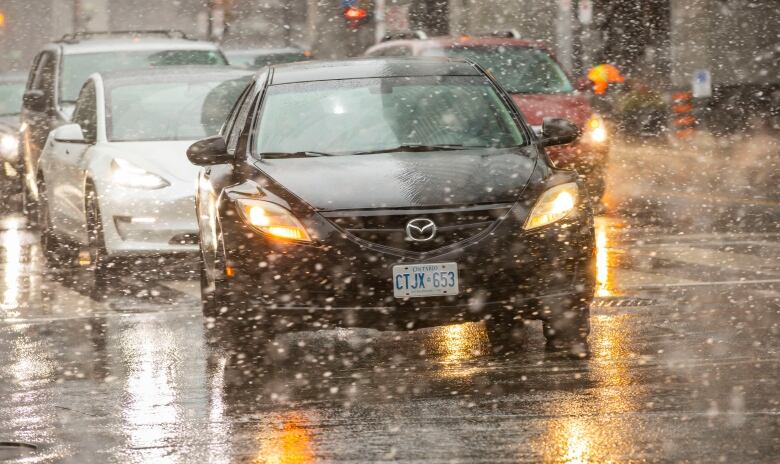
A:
(596, 129)
(9, 144)
(129, 175)
(272, 219)
(554, 205)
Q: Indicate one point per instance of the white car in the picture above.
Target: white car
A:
(116, 182)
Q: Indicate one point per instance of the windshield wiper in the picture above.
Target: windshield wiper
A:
(295, 154)
(413, 147)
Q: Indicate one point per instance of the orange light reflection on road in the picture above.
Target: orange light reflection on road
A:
(605, 259)
(288, 443)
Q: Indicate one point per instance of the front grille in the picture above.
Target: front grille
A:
(388, 228)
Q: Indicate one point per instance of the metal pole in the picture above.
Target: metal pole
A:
(380, 27)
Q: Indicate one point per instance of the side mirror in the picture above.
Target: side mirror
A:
(209, 151)
(34, 100)
(558, 131)
(69, 133)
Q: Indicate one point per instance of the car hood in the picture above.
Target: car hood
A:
(403, 180)
(536, 107)
(167, 159)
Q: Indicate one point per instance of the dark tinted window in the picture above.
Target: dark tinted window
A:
(85, 113)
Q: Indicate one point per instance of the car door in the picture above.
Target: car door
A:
(66, 168)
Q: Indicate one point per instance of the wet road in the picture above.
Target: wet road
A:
(685, 361)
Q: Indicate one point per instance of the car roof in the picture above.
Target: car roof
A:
(124, 44)
(361, 68)
(172, 73)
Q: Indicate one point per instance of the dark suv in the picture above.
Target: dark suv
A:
(61, 68)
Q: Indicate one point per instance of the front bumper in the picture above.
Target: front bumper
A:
(146, 222)
(508, 269)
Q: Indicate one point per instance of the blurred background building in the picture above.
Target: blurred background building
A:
(669, 43)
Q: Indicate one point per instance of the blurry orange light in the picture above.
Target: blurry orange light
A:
(292, 233)
(354, 13)
(2, 19)
(273, 220)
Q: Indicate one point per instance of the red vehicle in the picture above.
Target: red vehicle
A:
(538, 84)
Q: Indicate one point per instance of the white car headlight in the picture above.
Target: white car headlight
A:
(9, 144)
(596, 129)
(129, 175)
(272, 219)
(554, 205)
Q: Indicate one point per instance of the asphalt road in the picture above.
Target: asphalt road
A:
(684, 366)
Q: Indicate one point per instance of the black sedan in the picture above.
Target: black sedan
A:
(398, 193)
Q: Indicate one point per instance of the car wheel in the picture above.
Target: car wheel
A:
(505, 332)
(96, 247)
(568, 330)
(49, 246)
(30, 209)
(210, 298)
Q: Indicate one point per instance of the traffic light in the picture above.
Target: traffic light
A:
(354, 14)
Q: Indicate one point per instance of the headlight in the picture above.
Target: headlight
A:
(553, 205)
(595, 129)
(272, 219)
(129, 175)
(8, 146)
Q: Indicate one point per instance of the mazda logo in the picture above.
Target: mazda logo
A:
(420, 230)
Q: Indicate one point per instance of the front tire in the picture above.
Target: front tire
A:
(99, 266)
(567, 328)
(53, 257)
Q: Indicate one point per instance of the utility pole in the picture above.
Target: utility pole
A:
(380, 27)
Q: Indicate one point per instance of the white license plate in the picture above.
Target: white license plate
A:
(420, 280)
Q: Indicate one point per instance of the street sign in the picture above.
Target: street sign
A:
(702, 84)
(348, 3)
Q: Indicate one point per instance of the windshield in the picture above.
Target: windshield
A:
(11, 98)
(77, 68)
(519, 69)
(359, 115)
(170, 110)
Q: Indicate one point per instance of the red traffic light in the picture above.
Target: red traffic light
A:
(353, 13)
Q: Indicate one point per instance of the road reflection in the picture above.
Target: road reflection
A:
(606, 259)
(594, 425)
(18, 251)
(288, 440)
(151, 412)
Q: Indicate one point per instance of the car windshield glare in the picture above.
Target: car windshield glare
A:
(379, 114)
(519, 69)
(170, 110)
(78, 67)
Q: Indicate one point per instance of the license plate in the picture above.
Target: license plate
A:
(421, 280)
